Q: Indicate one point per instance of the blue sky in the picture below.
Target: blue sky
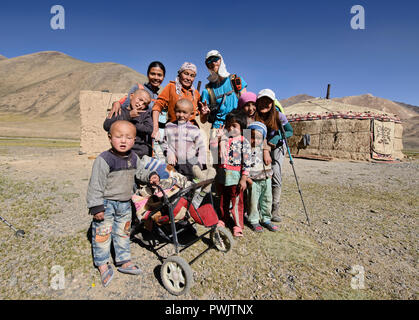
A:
(291, 47)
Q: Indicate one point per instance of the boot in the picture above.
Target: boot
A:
(276, 195)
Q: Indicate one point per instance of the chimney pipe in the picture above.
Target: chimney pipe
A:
(328, 91)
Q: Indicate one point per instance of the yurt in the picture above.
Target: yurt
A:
(326, 129)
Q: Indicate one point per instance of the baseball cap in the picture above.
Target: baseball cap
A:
(267, 93)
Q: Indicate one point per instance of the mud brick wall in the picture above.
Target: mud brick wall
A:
(94, 106)
(337, 138)
(398, 142)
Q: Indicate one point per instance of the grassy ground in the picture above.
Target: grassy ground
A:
(37, 143)
(302, 262)
(26, 262)
(366, 218)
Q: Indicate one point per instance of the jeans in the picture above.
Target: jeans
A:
(115, 228)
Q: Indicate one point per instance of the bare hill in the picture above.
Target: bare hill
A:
(388, 106)
(48, 83)
(2, 57)
(295, 99)
(39, 92)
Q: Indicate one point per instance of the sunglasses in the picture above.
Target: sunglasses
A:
(212, 59)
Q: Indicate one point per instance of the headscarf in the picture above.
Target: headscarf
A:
(185, 66)
(222, 71)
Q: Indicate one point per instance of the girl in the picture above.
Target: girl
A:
(247, 103)
(267, 113)
(233, 171)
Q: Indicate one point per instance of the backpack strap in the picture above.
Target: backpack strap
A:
(212, 97)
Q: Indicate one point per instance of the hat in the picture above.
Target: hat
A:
(187, 66)
(222, 71)
(259, 126)
(267, 93)
(247, 97)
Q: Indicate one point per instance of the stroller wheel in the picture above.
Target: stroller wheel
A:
(222, 239)
(176, 275)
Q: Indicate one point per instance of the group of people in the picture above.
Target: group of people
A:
(150, 132)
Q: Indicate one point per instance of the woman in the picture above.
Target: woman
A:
(267, 113)
(221, 94)
(182, 87)
(155, 74)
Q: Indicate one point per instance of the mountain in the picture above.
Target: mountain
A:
(48, 83)
(2, 57)
(295, 99)
(388, 106)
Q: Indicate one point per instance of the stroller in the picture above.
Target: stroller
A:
(171, 210)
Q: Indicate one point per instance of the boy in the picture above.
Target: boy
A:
(260, 182)
(139, 115)
(183, 141)
(108, 198)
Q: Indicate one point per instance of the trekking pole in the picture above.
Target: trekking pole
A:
(293, 169)
(18, 233)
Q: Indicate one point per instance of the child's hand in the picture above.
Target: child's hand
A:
(242, 183)
(156, 134)
(267, 157)
(99, 216)
(116, 110)
(171, 159)
(134, 113)
(249, 181)
(220, 131)
(203, 108)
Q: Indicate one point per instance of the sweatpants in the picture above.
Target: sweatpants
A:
(260, 201)
(232, 195)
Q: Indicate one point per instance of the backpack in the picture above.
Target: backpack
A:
(236, 84)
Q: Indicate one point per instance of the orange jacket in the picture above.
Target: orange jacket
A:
(168, 98)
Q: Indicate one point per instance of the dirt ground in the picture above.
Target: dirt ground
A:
(364, 216)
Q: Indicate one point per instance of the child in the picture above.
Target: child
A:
(108, 198)
(267, 113)
(183, 141)
(139, 115)
(247, 103)
(233, 171)
(259, 180)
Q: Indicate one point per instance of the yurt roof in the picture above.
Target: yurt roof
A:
(324, 108)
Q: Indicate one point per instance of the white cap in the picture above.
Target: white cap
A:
(267, 93)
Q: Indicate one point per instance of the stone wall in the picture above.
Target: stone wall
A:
(94, 106)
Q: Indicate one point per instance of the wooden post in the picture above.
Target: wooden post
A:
(328, 91)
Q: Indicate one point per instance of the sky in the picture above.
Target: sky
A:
(291, 47)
